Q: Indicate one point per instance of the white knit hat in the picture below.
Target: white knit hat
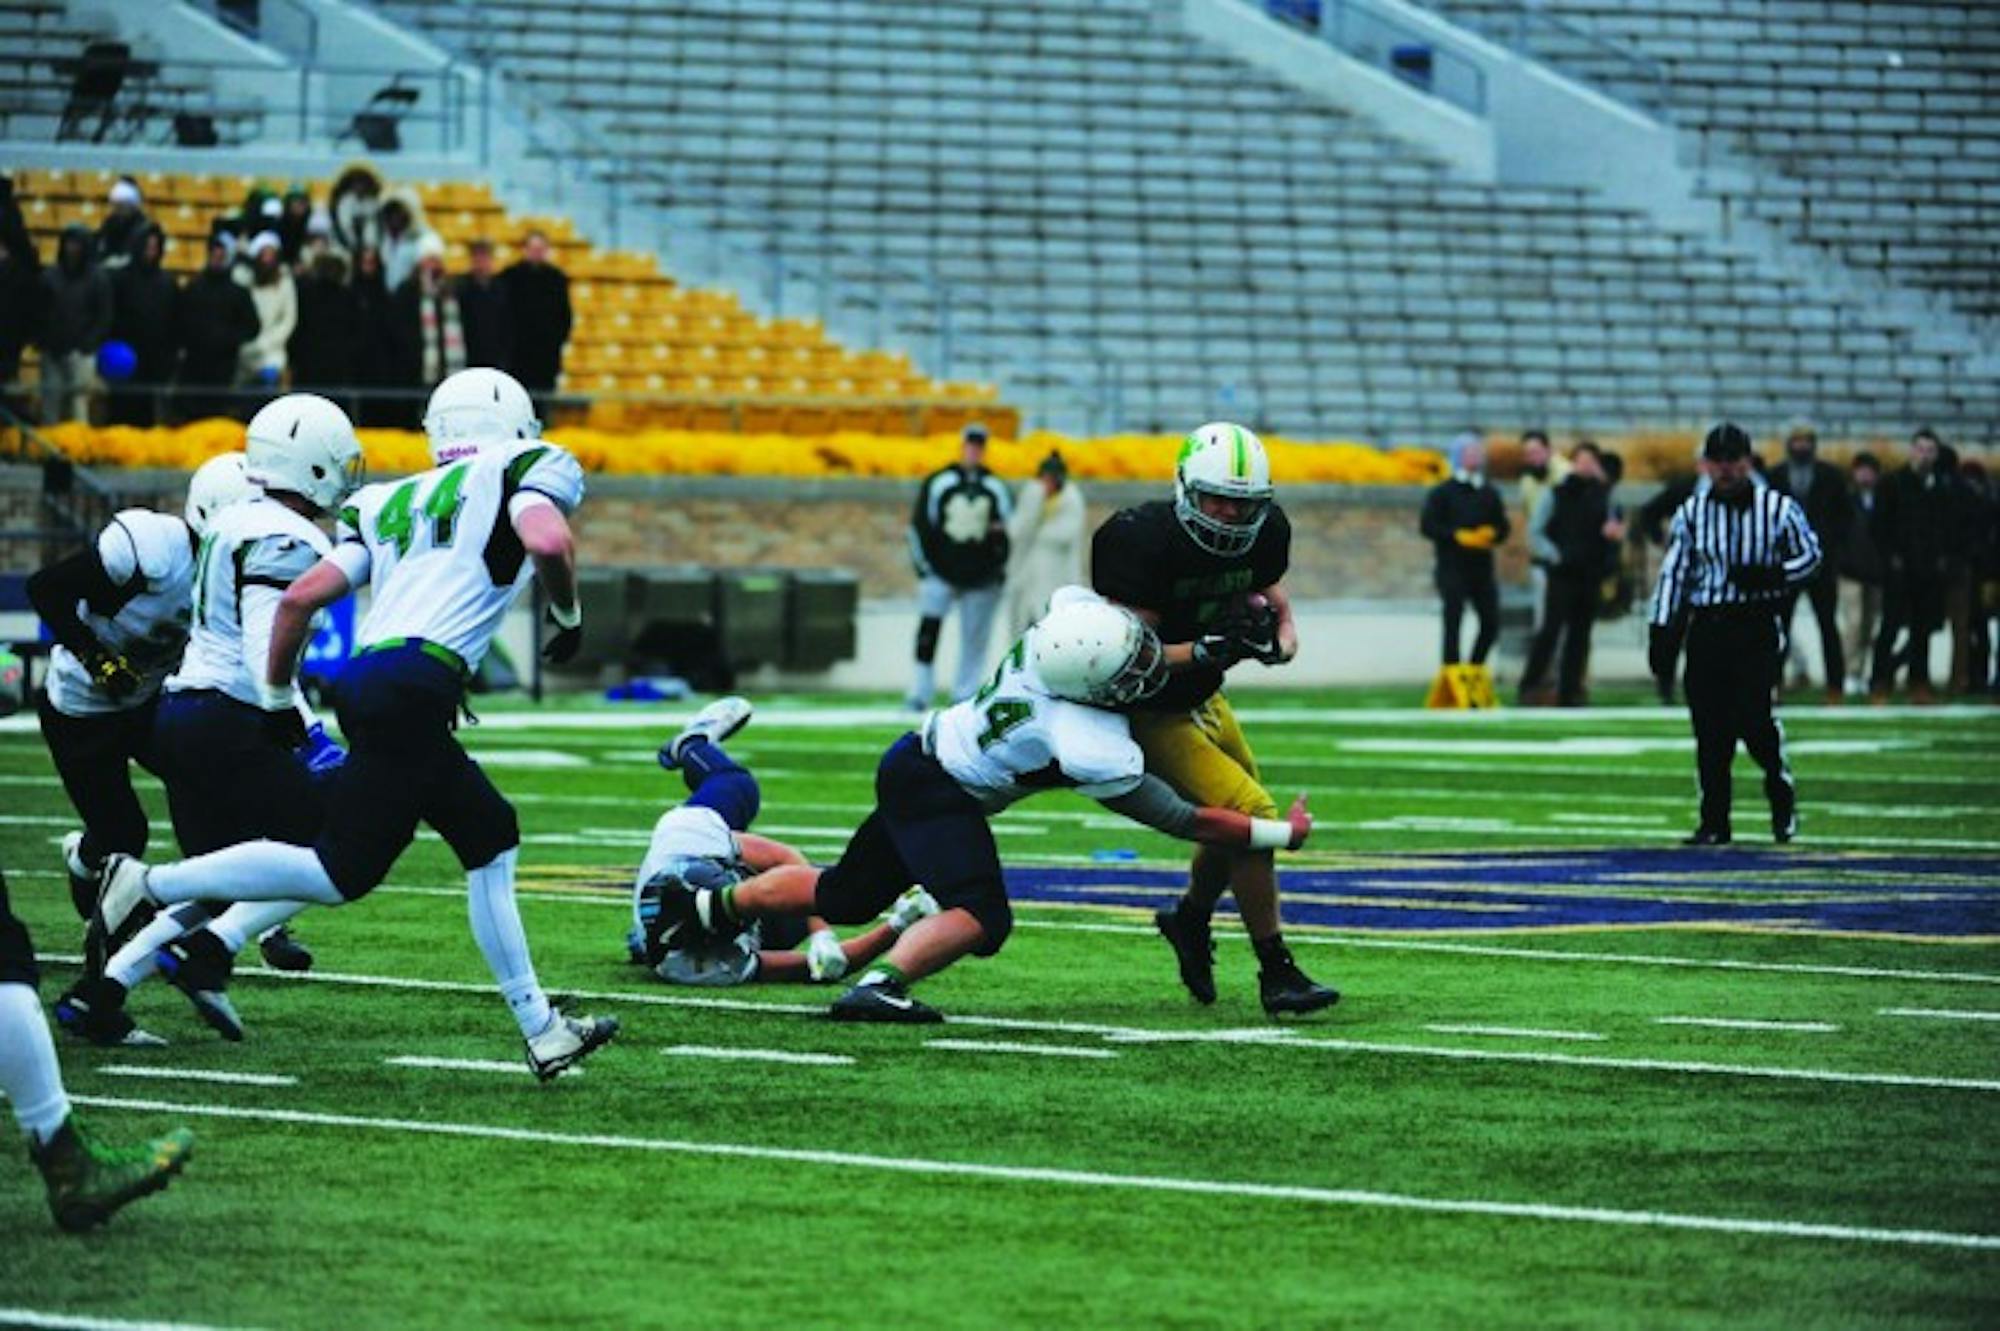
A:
(124, 191)
(263, 240)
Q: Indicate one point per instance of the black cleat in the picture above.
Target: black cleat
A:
(1194, 948)
(282, 952)
(1286, 991)
(94, 1010)
(670, 918)
(1707, 836)
(1784, 815)
(884, 1001)
(199, 966)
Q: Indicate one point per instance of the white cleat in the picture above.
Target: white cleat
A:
(121, 890)
(567, 1042)
(915, 904)
(714, 723)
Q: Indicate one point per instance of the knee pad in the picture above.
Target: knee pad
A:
(988, 904)
(928, 629)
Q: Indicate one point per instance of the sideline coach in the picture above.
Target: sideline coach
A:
(1734, 551)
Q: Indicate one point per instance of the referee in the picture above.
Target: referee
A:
(1734, 550)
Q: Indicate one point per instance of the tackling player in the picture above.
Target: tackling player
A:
(445, 553)
(1207, 572)
(706, 841)
(1043, 722)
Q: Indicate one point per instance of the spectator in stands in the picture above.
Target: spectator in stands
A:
(295, 211)
(142, 317)
(77, 321)
(1574, 537)
(1982, 560)
(1919, 520)
(482, 307)
(1821, 491)
(121, 233)
(353, 208)
(23, 296)
(214, 317)
(269, 282)
(538, 297)
(1464, 520)
(376, 352)
(1045, 537)
(958, 543)
(430, 331)
(403, 233)
(1540, 469)
(1862, 565)
(323, 346)
(1967, 505)
(318, 240)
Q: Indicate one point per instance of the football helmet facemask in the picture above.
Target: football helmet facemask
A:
(1096, 653)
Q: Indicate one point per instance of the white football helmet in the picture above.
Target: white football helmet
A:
(216, 484)
(477, 407)
(1094, 652)
(304, 444)
(1226, 461)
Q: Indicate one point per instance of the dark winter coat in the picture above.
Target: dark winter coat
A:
(142, 315)
(79, 298)
(1453, 506)
(214, 317)
(538, 297)
(487, 320)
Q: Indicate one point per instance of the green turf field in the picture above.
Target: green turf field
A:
(1577, 1077)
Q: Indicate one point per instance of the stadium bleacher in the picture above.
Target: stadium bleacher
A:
(1226, 245)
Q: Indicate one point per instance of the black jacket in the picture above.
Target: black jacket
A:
(1864, 556)
(79, 298)
(23, 295)
(488, 322)
(1922, 521)
(1579, 508)
(142, 315)
(322, 350)
(1829, 507)
(1451, 507)
(214, 318)
(538, 298)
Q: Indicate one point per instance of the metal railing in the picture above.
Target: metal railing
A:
(1377, 37)
(74, 503)
(1614, 68)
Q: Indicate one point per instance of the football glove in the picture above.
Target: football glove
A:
(1757, 577)
(1254, 628)
(915, 904)
(113, 673)
(562, 646)
(824, 959)
(1219, 649)
(320, 754)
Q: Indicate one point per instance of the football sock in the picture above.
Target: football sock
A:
(1271, 951)
(134, 964)
(496, 924)
(30, 1078)
(253, 871)
(241, 923)
(925, 684)
(882, 973)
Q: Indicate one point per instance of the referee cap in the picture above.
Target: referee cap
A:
(1727, 442)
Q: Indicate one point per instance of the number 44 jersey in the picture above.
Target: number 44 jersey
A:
(1014, 738)
(441, 556)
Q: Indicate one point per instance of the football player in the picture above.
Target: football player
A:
(707, 840)
(87, 1180)
(1207, 572)
(1043, 722)
(119, 614)
(444, 553)
(230, 766)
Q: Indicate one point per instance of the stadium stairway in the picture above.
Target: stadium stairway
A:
(1097, 179)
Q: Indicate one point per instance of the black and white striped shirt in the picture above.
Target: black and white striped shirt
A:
(1709, 537)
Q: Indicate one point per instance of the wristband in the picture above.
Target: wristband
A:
(276, 697)
(566, 619)
(1270, 834)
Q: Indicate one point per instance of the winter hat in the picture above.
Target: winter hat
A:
(125, 191)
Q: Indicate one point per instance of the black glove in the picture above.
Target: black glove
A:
(285, 727)
(1663, 649)
(1256, 632)
(563, 645)
(1218, 648)
(1757, 577)
(111, 672)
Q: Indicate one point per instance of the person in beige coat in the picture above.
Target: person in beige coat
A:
(263, 357)
(1046, 534)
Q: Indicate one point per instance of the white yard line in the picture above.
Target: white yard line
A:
(1939, 1014)
(1734, 1024)
(759, 1055)
(1088, 1179)
(1008, 1047)
(466, 1065)
(198, 1074)
(1513, 1032)
(30, 1317)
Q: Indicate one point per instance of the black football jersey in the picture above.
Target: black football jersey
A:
(1144, 558)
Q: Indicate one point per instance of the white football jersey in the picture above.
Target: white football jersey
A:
(441, 555)
(150, 557)
(252, 552)
(1013, 738)
(687, 831)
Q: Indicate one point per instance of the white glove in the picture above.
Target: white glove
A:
(915, 904)
(824, 959)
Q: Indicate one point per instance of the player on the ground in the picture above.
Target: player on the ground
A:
(86, 1179)
(445, 553)
(1206, 571)
(707, 841)
(233, 769)
(119, 613)
(1043, 722)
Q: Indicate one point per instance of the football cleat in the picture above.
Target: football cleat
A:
(199, 966)
(282, 952)
(669, 915)
(94, 1010)
(1707, 836)
(883, 1001)
(1194, 948)
(1286, 990)
(121, 892)
(567, 1042)
(88, 1181)
(915, 904)
(82, 878)
(714, 723)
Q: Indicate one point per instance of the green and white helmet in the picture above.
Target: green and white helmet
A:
(1226, 461)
